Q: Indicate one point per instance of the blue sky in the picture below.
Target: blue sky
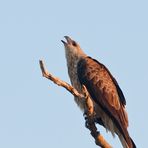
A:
(35, 113)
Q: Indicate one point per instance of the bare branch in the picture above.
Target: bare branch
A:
(99, 140)
(59, 82)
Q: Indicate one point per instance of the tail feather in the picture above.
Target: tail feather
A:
(134, 145)
(123, 142)
(127, 144)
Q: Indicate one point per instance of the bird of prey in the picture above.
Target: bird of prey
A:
(107, 97)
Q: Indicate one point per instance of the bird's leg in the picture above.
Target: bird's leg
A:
(89, 108)
(93, 119)
(88, 119)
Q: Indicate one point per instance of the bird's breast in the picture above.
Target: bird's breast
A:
(72, 71)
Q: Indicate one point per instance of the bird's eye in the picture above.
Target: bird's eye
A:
(74, 43)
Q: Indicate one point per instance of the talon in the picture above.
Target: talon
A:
(99, 121)
(86, 120)
(85, 113)
(87, 124)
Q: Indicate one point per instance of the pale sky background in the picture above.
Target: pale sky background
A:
(35, 113)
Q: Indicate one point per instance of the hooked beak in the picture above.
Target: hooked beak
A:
(68, 39)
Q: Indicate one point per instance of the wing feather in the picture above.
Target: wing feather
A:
(120, 93)
(103, 89)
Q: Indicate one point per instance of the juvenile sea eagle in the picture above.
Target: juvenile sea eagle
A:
(106, 95)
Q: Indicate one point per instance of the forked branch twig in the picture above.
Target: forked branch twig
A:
(99, 139)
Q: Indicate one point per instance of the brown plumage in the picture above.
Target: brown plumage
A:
(106, 95)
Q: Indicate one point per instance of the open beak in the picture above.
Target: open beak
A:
(68, 40)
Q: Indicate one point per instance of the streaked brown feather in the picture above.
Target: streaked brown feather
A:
(103, 89)
(101, 81)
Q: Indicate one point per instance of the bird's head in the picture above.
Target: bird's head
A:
(71, 46)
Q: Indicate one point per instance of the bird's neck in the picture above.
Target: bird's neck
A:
(72, 61)
(73, 57)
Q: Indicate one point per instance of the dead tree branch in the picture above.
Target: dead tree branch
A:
(99, 139)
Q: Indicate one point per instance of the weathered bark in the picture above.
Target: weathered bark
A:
(99, 139)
